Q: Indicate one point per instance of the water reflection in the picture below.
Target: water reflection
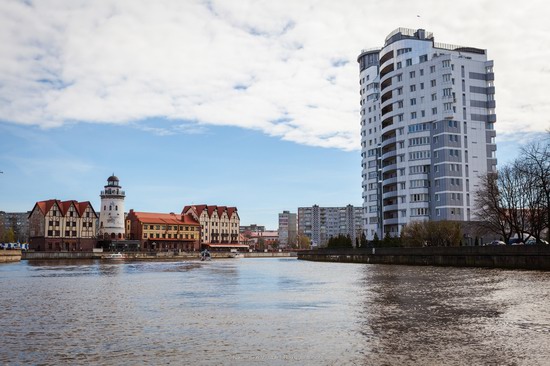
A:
(270, 311)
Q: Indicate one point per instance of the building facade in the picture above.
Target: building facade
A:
(319, 224)
(219, 224)
(288, 229)
(69, 225)
(111, 216)
(427, 130)
(14, 226)
(163, 232)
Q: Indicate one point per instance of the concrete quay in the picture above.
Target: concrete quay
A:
(535, 257)
(10, 255)
(158, 256)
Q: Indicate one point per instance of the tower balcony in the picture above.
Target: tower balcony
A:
(112, 193)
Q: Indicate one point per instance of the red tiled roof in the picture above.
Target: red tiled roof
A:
(162, 218)
(46, 206)
(198, 209)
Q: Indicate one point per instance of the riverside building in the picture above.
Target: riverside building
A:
(56, 225)
(427, 130)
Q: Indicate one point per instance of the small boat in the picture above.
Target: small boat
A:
(114, 256)
(205, 256)
(235, 254)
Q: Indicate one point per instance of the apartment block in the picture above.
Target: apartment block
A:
(319, 224)
(427, 130)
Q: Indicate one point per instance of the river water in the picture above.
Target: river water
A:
(272, 312)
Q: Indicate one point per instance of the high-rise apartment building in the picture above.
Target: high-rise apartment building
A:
(288, 229)
(319, 224)
(427, 130)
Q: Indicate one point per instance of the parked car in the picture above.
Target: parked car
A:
(515, 241)
(533, 241)
(497, 242)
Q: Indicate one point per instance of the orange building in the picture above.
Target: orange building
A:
(163, 232)
(68, 225)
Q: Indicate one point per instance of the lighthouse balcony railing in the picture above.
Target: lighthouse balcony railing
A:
(113, 192)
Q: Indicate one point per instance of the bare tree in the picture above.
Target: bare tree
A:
(535, 164)
(491, 214)
(516, 200)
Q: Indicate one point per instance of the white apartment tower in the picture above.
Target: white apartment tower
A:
(427, 130)
(111, 216)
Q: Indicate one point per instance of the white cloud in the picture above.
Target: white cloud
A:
(285, 68)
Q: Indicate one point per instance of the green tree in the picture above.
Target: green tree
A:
(431, 233)
(9, 236)
(375, 242)
(363, 242)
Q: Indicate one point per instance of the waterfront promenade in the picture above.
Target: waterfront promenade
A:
(511, 257)
(167, 256)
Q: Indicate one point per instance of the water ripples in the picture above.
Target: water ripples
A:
(271, 311)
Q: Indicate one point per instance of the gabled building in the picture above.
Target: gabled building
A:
(219, 224)
(62, 225)
(163, 232)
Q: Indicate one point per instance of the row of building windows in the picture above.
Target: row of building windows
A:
(167, 227)
(167, 236)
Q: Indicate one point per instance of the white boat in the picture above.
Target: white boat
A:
(235, 254)
(114, 256)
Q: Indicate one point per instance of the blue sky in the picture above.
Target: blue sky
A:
(248, 103)
(261, 175)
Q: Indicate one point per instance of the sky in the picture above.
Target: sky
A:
(253, 104)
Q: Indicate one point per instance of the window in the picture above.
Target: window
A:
(446, 63)
(413, 88)
(400, 77)
(400, 104)
(433, 83)
(398, 66)
(399, 91)
(423, 113)
(434, 96)
(447, 77)
(413, 101)
(434, 110)
(412, 74)
(400, 118)
(432, 69)
(413, 115)
(423, 58)
(421, 85)
(409, 62)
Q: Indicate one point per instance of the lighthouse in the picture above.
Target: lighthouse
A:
(111, 216)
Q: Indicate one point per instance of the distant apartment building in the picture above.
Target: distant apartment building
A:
(427, 130)
(319, 224)
(253, 228)
(69, 225)
(219, 224)
(18, 223)
(288, 229)
(163, 232)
